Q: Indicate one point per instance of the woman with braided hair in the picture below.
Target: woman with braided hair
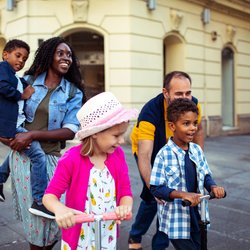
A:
(51, 118)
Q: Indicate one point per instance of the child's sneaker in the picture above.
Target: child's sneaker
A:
(41, 210)
(2, 197)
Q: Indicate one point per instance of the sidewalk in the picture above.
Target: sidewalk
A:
(229, 160)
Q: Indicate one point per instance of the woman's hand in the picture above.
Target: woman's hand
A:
(21, 141)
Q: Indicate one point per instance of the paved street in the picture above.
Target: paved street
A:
(229, 159)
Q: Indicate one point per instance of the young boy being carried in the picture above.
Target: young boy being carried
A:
(180, 172)
(13, 92)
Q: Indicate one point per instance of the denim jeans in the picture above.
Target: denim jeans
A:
(189, 244)
(145, 215)
(38, 171)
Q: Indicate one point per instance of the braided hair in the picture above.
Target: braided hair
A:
(44, 57)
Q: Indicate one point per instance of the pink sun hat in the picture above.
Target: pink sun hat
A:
(102, 112)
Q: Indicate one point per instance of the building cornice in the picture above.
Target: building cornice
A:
(235, 8)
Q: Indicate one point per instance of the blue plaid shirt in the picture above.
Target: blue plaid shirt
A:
(168, 169)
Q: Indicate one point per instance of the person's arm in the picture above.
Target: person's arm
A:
(158, 179)
(65, 216)
(211, 186)
(23, 140)
(219, 192)
(161, 192)
(9, 92)
(59, 183)
(199, 135)
(194, 198)
(27, 92)
(209, 182)
(145, 149)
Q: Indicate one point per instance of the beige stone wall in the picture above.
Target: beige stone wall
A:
(134, 40)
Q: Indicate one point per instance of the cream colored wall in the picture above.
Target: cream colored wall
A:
(134, 38)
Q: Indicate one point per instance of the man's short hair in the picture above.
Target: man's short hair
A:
(174, 74)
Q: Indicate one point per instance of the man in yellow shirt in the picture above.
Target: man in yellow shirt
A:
(148, 136)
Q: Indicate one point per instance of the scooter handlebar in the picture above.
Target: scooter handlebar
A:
(212, 195)
(83, 218)
(186, 203)
(113, 216)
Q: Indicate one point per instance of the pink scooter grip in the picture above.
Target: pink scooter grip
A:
(81, 218)
(113, 216)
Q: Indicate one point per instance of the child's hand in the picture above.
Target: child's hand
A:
(122, 212)
(159, 201)
(219, 192)
(194, 198)
(28, 91)
(65, 217)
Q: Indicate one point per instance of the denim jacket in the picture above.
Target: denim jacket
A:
(62, 111)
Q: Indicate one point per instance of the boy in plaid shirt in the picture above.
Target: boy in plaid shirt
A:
(180, 172)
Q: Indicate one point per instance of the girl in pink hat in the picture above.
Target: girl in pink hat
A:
(94, 174)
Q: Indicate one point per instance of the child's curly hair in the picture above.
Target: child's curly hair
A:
(179, 107)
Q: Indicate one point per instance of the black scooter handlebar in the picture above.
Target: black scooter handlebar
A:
(186, 203)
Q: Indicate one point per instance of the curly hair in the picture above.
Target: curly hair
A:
(44, 57)
(179, 107)
(14, 44)
(174, 74)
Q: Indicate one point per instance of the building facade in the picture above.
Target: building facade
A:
(127, 46)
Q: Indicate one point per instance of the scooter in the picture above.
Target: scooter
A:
(83, 218)
(203, 222)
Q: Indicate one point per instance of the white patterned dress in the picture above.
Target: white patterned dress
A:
(101, 198)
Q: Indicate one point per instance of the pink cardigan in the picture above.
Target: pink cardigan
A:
(72, 176)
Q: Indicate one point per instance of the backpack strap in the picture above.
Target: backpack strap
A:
(72, 92)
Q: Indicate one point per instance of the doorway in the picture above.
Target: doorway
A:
(174, 54)
(89, 48)
(227, 88)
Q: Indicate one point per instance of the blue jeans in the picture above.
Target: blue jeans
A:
(38, 171)
(145, 215)
(194, 243)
